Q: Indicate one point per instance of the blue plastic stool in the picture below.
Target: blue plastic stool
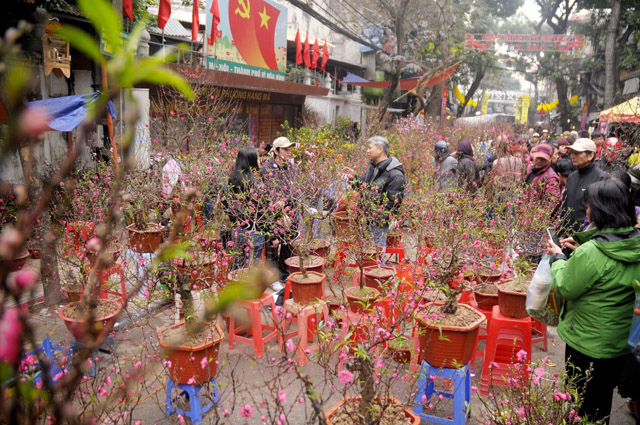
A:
(461, 380)
(108, 346)
(49, 351)
(196, 410)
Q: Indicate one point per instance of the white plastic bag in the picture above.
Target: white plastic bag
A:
(540, 286)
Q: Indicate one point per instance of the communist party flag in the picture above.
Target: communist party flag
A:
(316, 54)
(307, 60)
(195, 20)
(164, 12)
(127, 9)
(215, 21)
(325, 56)
(298, 49)
(253, 23)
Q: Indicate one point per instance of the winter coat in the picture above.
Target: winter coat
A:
(387, 179)
(507, 171)
(595, 283)
(543, 181)
(468, 174)
(445, 172)
(573, 197)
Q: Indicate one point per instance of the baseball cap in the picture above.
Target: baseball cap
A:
(563, 142)
(542, 150)
(281, 142)
(583, 145)
(545, 131)
(535, 135)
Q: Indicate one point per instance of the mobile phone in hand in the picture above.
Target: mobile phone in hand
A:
(553, 236)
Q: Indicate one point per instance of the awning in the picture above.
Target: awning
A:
(405, 83)
(67, 112)
(628, 111)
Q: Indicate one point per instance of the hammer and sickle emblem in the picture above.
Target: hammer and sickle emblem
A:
(246, 9)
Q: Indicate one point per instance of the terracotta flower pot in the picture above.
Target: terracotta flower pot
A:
(375, 277)
(358, 301)
(16, 263)
(101, 326)
(185, 363)
(202, 276)
(320, 248)
(448, 346)
(401, 354)
(409, 417)
(342, 227)
(312, 264)
(512, 304)
(487, 275)
(307, 290)
(147, 240)
(372, 257)
(486, 298)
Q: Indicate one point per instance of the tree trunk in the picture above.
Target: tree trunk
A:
(472, 90)
(610, 57)
(49, 273)
(387, 100)
(564, 107)
(435, 101)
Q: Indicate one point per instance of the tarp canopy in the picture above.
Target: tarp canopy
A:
(405, 83)
(67, 112)
(628, 111)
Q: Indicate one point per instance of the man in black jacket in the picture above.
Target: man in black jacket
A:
(385, 180)
(583, 154)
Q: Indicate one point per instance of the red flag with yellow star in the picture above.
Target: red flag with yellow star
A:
(253, 23)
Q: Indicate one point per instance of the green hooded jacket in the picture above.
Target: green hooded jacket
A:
(595, 283)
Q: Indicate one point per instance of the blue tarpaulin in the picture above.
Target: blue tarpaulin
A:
(67, 112)
(353, 78)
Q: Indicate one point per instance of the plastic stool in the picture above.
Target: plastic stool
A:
(192, 392)
(483, 332)
(105, 275)
(111, 350)
(396, 250)
(360, 325)
(304, 313)
(540, 331)
(506, 337)
(257, 339)
(49, 350)
(460, 392)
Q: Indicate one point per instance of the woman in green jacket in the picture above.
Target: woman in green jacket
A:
(595, 283)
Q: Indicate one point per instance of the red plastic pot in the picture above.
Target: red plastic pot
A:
(357, 302)
(448, 346)
(147, 240)
(186, 363)
(376, 277)
(294, 264)
(82, 330)
(305, 291)
(512, 304)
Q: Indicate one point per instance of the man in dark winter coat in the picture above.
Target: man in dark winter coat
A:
(385, 180)
(583, 154)
(543, 182)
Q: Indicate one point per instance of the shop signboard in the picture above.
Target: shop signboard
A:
(249, 38)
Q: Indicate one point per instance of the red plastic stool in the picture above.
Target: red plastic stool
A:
(506, 337)
(105, 282)
(305, 314)
(540, 333)
(76, 236)
(360, 325)
(396, 250)
(483, 332)
(257, 339)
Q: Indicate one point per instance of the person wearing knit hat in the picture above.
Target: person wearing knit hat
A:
(542, 180)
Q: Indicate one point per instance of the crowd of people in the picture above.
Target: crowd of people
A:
(593, 263)
(597, 257)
